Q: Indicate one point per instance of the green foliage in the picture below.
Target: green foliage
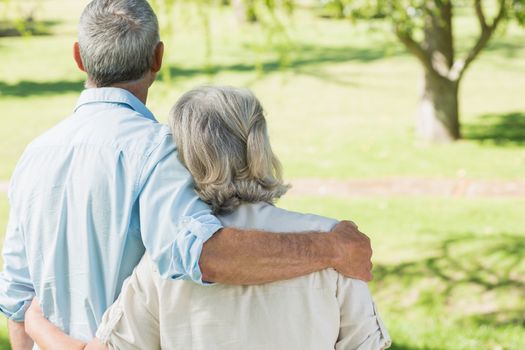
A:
(268, 15)
(518, 10)
(361, 9)
(165, 12)
(409, 15)
(270, 19)
(19, 18)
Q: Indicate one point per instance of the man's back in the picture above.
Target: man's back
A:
(84, 207)
(75, 192)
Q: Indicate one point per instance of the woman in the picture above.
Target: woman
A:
(222, 139)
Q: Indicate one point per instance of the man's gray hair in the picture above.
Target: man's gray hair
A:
(117, 40)
(222, 139)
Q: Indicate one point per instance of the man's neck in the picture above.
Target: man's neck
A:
(138, 88)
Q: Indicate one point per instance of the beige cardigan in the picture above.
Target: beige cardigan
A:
(320, 311)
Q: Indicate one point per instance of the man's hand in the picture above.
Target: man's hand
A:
(353, 251)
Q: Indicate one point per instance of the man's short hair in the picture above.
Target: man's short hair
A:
(117, 40)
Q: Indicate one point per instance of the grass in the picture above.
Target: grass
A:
(449, 272)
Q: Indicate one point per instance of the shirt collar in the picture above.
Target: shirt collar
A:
(114, 95)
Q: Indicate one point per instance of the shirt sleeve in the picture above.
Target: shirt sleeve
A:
(174, 222)
(361, 328)
(16, 288)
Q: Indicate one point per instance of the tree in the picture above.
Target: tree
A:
(263, 13)
(18, 18)
(425, 28)
(245, 10)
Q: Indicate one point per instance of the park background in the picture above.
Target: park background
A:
(446, 220)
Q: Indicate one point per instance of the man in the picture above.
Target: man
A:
(89, 196)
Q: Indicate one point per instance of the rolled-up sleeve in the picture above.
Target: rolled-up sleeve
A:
(16, 288)
(174, 222)
(361, 326)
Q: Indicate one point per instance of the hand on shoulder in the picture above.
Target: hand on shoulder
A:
(352, 251)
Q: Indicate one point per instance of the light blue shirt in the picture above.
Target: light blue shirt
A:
(87, 198)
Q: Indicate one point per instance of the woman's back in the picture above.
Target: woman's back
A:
(322, 310)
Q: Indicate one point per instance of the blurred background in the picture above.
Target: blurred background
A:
(406, 116)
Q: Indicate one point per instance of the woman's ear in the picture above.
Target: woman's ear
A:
(156, 65)
(78, 58)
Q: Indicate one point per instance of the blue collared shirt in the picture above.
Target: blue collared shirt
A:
(87, 198)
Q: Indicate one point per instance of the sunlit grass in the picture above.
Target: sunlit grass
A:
(449, 273)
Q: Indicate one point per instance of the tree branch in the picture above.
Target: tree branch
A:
(480, 14)
(487, 30)
(415, 48)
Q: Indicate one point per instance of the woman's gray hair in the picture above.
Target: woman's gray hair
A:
(117, 40)
(222, 139)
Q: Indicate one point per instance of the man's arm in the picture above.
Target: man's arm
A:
(234, 256)
(177, 228)
(16, 288)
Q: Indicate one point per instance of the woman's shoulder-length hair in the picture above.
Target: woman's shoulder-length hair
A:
(222, 139)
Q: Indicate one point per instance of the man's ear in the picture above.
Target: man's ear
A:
(156, 65)
(78, 59)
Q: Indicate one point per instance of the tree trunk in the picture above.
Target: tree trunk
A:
(438, 119)
(438, 114)
(245, 10)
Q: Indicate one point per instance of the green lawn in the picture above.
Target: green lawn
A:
(449, 272)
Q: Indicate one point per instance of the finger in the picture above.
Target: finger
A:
(348, 223)
(365, 277)
(365, 237)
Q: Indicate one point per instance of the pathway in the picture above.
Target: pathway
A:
(408, 186)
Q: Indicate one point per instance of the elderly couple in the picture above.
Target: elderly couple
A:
(128, 234)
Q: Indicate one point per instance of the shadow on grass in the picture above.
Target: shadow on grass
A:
(26, 27)
(31, 88)
(507, 48)
(307, 60)
(507, 129)
(482, 278)
(397, 346)
(301, 57)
